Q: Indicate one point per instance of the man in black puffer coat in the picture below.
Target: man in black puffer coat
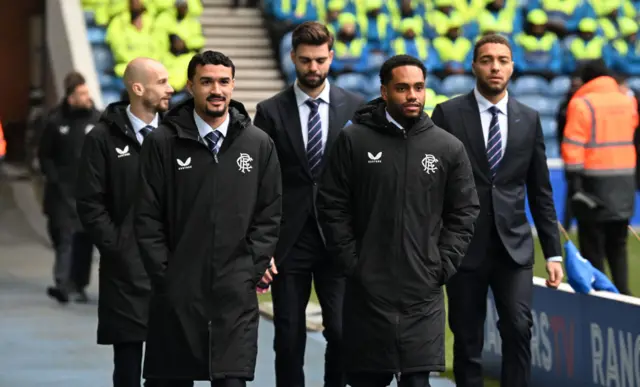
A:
(397, 204)
(106, 189)
(207, 223)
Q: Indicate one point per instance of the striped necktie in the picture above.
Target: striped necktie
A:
(314, 137)
(144, 132)
(494, 142)
(212, 141)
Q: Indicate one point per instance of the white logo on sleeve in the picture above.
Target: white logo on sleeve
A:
(184, 164)
(374, 159)
(429, 164)
(244, 163)
(123, 152)
(64, 129)
(88, 128)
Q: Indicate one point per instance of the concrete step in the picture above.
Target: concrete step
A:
(227, 11)
(244, 52)
(254, 63)
(216, 31)
(243, 84)
(233, 22)
(215, 3)
(239, 41)
(245, 74)
(249, 96)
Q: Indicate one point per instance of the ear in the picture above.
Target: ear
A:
(383, 92)
(190, 87)
(137, 88)
(233, 84)
(292, 55)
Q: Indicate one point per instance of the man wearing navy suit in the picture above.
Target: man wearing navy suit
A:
(304, 120)
(506, 147)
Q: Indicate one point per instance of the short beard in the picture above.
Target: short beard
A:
(484, 88)
(310, 85)
(216, 113)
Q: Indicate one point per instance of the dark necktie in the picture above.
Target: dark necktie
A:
(212, 141)
(494, 142)
(314, 137)
(145, 131)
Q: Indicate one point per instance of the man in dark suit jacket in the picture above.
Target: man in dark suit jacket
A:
(304, 120)
(504, 140)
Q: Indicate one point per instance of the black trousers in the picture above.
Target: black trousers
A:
(306, 263)
(127, 364)
(600, 240)
(81, 260)
(418, 379)
(231, 382)
(513, 292)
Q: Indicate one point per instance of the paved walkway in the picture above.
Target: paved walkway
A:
(43, 344)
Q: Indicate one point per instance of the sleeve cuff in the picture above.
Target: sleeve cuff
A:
(555, 259)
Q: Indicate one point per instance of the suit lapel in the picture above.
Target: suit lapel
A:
(291, 120)
(473, 130)
(513, 119)
(336, 113)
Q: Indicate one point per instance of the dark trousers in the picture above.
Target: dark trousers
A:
(73, 257)
(127, 364)
(600, 240)
(231, 382)
(512, 289)
(307, 262)
(418, 379)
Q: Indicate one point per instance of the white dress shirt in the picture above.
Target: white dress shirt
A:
(485, 117)
(204, 128)
(304, 110)
(138, 124)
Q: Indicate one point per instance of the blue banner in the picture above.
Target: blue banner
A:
(578, 340)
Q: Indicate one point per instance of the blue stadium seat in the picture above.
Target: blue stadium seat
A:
(434, 83)
(372, 86)
(102, 57)
(353, 82)
(539, 103)
(559, 86)
(457, 84)
(286, 44)
(552, 148)
(634, 83)
(549, 127)
(110, 96)
(529, 84)
(96, 34)
(288, 68)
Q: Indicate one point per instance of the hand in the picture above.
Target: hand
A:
(554, 270)
(267, 278)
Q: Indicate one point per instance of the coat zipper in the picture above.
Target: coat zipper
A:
(210, 266)
(398, 280)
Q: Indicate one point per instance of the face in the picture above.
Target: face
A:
(453, 33)
(312, 64)
(493, 67)
(538, 29)
(135, 5)
(632, 38)
(80, 98)
(348, 30)
(405, 93)
(211, 87)
(410, 34)
(586, 35)
(156, 92)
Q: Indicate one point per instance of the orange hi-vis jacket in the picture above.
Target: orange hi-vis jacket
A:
(598, 136)
(598, 146)
(3, 143)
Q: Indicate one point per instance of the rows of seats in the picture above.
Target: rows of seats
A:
(121, 30)
(550, 39)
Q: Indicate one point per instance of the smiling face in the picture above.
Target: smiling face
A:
(211, 87)
(404, 94)
(493, 67)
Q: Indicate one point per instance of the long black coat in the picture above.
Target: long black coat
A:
(207, 230)
(59, 157)
(398, 211)
(106, 190)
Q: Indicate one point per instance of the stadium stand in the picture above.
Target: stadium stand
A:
(172, 31)
(550, 38)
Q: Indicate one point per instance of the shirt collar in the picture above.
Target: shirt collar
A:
(390, 119)
(484, 104)
(204, 128)
(137, 123)
(302, 97)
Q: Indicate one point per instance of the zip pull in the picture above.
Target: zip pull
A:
(398, 376)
